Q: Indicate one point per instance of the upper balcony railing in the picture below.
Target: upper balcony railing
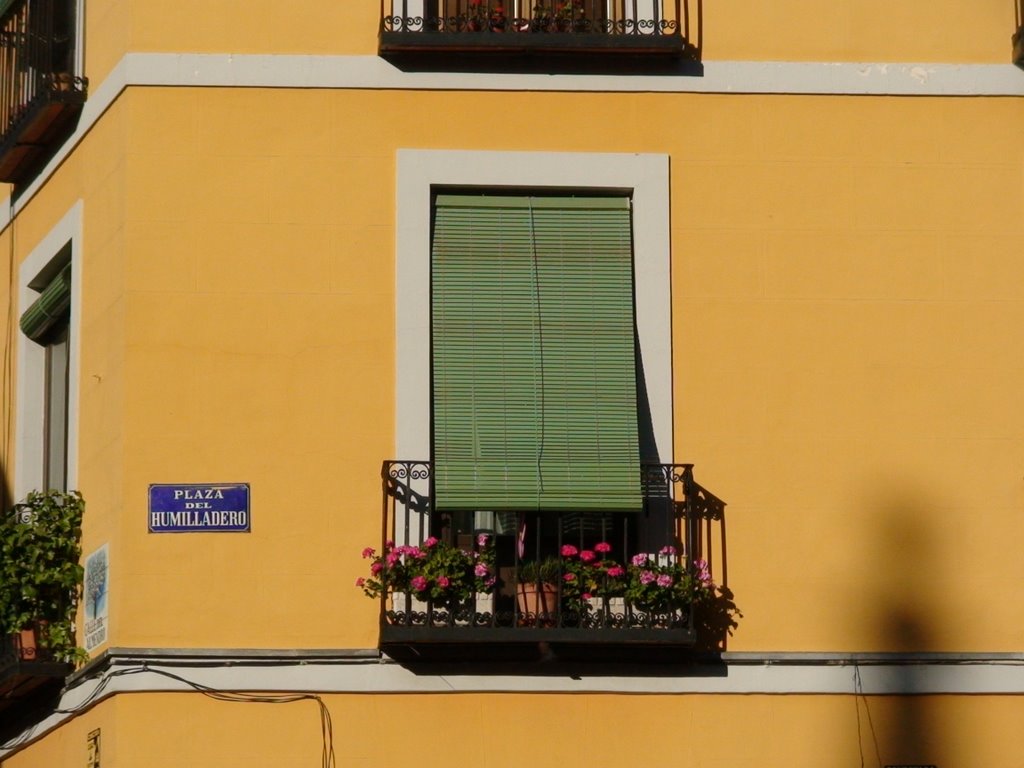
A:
(535, 26)
(577, 584)
(39, 91)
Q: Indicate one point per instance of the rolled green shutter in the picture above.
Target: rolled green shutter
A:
(49, 308)
(534, 369)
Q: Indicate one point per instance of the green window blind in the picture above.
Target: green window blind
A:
(534, 369)
(49, 308)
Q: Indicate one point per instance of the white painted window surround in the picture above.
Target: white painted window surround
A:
(644, 176)
(30, 415)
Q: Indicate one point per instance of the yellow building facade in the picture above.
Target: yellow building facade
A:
(826, 204)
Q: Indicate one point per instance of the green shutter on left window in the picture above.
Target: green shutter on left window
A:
(535, 403)
(49, 308)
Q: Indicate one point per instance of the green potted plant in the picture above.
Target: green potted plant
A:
(40, 573)
(537, 590)
(433, 572)
(662, 584)
(476, 16)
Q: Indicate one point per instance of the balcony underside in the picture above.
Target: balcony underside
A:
(524, 43)
(410, 644)
(25, 687)
(37, 126)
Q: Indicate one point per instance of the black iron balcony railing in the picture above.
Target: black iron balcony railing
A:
(563, 582)
(39, 92)
(545, 26)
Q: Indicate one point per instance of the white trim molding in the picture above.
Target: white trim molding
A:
(644, 176)
(772, 77)
(139, 671)
(30, 418)
(220, 70)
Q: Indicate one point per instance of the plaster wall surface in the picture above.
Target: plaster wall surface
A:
(843, 310)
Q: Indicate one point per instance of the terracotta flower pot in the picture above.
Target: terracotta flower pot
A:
(537, 606)
(29, 649)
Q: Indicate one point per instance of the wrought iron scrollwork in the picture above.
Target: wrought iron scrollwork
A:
(467, 19)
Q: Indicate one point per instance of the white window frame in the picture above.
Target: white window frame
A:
(30, 413)
(419, 171)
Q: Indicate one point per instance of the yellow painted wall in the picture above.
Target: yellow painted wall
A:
(846, 299)
(845, 291)
(94, 175)
(67, 746)
(734, 30)
(501, 730)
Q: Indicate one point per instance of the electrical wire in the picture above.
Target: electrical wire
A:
(327, 754)
(858, 694)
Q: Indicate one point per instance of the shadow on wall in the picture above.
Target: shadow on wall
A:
(904, 583)
(1018, 34)
(6, 500)
(715, 620)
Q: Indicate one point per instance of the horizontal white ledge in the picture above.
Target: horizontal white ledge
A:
(223, 70)
(361, 671)
(772, 77)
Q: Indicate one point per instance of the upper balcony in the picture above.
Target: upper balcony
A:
(40, 95)
(523, 586)
(562, 27)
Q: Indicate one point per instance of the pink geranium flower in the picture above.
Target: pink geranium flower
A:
(668, 551)
(442, 581)
(376, 568)
(419, 583)
(360, 581)
(640, 559)
(430, 542)
(481, 570)
(646, 577)
(664, 580)
(368, 552)
(570, 577)
(568, 550)
(616, 571)
(587, 556)
(603, 547)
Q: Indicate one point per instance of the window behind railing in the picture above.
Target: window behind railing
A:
(37, 54)
(618, 17)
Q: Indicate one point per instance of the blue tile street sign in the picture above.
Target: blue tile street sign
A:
(202, 508)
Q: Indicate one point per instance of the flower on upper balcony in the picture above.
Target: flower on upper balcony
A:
(663, 582)
(433, 571)
(590, 573)
(660, 583)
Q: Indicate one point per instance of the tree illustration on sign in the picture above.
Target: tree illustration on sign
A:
(95, 582)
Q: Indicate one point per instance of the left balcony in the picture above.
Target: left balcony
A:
(29, 677)
(40, 95)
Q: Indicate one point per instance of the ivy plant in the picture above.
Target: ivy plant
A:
(40, 572)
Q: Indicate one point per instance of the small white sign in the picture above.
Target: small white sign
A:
(94, 594)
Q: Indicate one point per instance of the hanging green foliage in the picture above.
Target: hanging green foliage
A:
(40, 572)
